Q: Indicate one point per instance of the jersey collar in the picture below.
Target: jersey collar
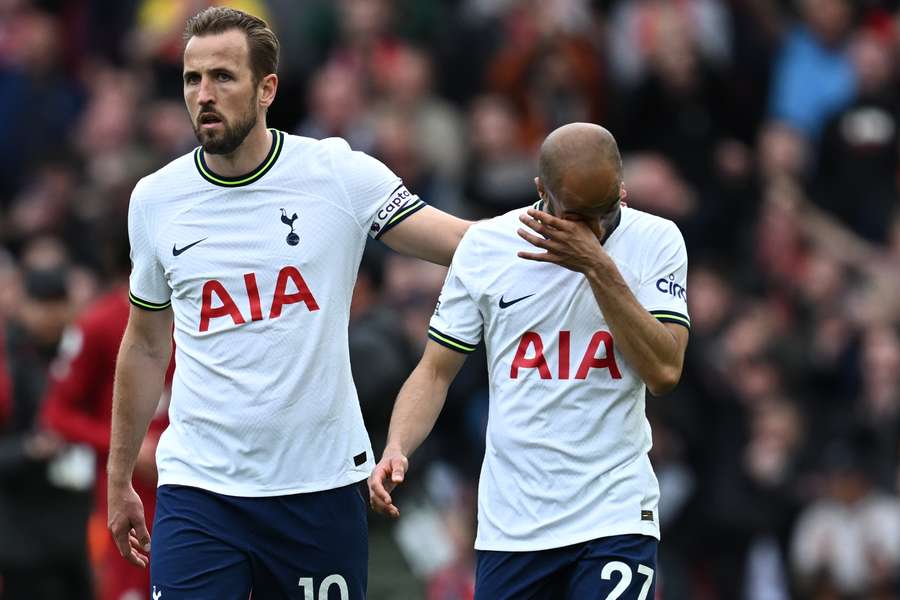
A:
(248, 178)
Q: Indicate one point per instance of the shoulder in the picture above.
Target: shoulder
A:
(646, 228)
(171, 176)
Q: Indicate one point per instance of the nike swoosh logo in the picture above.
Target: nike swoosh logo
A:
(511, 302)
(177, 251)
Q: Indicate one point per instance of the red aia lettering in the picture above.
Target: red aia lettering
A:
(301, 295)
(589, 361)
(530, 338)
(226, 305)
(590, 357)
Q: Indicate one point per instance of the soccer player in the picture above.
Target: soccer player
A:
(567, 499)
(251, 245)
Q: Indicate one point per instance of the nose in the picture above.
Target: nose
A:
(205, 92)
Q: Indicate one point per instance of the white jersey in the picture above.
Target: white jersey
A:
(567, 439)
(259, 271)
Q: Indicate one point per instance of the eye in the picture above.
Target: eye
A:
(191, 79)
(223, 77)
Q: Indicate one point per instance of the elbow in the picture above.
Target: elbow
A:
(664, 380)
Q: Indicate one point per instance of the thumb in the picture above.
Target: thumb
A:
(398, 470)
(141, 533)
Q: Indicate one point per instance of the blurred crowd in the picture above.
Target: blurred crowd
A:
(766, 129)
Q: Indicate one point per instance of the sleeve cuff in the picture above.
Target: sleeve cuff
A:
(146, 304)
(670, 316)
(402, 214)
(450, 342)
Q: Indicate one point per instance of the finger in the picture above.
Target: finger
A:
(377, 489)
(141, 533)
(534, 240)
(538, 256)
(398, 470)
(536, 225)
(548, 219)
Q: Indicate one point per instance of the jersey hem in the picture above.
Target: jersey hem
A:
(348, 478)
(537, 545)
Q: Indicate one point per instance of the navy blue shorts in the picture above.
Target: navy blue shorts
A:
(208, 546)
(621, 567)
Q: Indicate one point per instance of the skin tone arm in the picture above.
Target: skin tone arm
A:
(140, 374)
(417, 408)
(429, 234)
(655, 350)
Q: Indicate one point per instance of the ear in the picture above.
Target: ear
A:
(623, 193)
(268, 85)
(540, 187)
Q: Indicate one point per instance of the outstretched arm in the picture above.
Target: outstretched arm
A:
(429, 234)
(415, 412)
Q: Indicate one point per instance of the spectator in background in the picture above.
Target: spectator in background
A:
(380, 355)
(848, 541)
(337, 109)
(500, 168)
(78, 408)
(860, 145)
(638, 28)
(44, 486)
(404, 86)
(38, 99)
(813, 76)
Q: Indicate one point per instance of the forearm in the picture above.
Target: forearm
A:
(417, 408)
(140, 374)
(647, 345)
(430, 234)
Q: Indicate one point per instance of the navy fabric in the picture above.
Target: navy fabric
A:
(610, 568)
(208, 546)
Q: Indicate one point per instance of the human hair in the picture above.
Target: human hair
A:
(261, 41)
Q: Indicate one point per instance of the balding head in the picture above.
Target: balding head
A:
(580, 169)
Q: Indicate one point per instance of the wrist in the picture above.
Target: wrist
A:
(598, 269)
(393, 447)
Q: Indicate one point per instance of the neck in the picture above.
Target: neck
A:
(246, 157)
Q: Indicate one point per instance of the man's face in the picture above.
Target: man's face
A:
(220, 91)
(596, 207)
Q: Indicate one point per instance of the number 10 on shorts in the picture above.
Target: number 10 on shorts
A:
(309, 587)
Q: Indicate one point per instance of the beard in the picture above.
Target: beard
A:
(233, 136)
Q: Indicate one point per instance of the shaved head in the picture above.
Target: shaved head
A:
(580, 167)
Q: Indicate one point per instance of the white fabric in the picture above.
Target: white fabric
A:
(265, 406)
(566, 457)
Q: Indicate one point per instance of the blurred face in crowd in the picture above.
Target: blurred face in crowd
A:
(829, 19)
(223, 98)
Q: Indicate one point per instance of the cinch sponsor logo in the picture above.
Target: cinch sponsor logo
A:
(668, 286)
(396, 202)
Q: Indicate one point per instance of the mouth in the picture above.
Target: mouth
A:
(209, 120)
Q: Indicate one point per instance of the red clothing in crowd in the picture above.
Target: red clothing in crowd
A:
(79, 407)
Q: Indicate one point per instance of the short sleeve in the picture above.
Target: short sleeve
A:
(377, 197)
(148, 288)
(457, 322)
(663, 288)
